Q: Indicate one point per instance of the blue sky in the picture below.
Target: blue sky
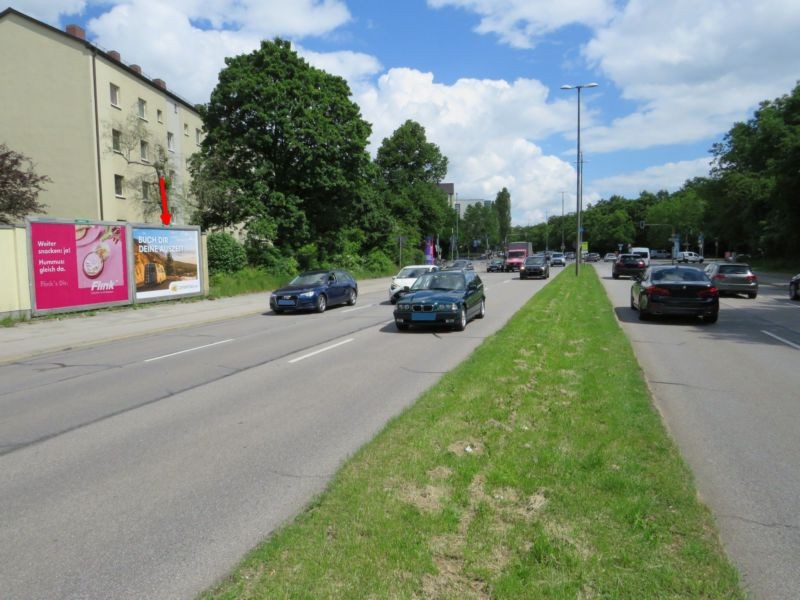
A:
(483, 76)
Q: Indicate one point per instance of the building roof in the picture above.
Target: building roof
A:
(112, 57)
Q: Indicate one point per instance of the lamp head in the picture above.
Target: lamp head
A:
(591, 85)
(566, 87)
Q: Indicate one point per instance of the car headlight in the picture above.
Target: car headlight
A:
(403, 307)
(306, 295)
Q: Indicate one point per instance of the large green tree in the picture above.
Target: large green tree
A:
(284, 152)
(19, 186)
(409, 167)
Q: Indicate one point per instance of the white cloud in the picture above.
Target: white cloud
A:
(520, 23)
(670, 176)
(694, 68)
(486, 129)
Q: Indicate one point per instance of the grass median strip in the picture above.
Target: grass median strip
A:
(536, 469)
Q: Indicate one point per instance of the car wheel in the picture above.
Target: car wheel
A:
(711, 318)
(752, 295)
(643, 315)
(792, 291)
(401, 326)
(352, 296)
(322, 303)
(461, 324)
(615, 276)
(482, 311)
(633, 306)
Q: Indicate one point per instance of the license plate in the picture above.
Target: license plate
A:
(285, 302)
(422, 316)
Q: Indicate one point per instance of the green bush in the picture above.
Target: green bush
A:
(225, 254)
(377, 262)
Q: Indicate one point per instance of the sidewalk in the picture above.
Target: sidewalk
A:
(76, 330)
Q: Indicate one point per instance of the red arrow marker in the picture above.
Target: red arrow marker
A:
(165, 216)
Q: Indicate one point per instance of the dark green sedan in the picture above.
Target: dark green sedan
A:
(448, 298)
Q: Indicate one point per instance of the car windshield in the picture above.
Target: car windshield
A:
(516, 253)
(667, 275)
(630, 259)
(410, 272)
(309, 279)
(534, 260)
(440, 281)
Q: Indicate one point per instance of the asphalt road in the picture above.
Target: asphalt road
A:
(148, 467)
(729, 394)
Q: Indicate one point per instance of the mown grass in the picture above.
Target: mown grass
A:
(536, 469)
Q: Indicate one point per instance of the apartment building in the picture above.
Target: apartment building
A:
(93, 124)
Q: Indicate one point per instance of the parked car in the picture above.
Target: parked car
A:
(557, 259)
(794, 287)
(534, 266)
(315, 290)
(407, 276)
(733, 278)
(442, 298)
(460, 264)
(660, 254)
(610, 257)
(675, 290)
(495, 265)
(628, 265)
(689, 257)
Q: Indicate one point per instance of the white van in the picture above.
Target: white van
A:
(643, 253)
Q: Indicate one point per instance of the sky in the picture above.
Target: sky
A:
(484, 77)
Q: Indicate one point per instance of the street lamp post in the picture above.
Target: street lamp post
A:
(579, 182)
(562, 222)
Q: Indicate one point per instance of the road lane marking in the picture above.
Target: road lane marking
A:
(188, 350)
(325, 349)
(780, 339)
(356, 308)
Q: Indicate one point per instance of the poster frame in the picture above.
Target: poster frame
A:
(132, 266)
(35, 311)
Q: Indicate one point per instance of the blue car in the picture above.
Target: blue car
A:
(315, 290)
(448, 298)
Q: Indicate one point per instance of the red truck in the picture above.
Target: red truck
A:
(516, 253)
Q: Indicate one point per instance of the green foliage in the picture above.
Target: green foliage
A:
(225, 253)
(502, 204)
(378, 262)
(19, 186)
(245, 281)
(285, 149)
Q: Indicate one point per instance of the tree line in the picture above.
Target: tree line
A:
(284, 166)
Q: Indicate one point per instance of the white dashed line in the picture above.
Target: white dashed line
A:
(188, 350)
(780, 339)
(325, 349)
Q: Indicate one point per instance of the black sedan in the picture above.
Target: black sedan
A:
(315, 290)
(675, 290)
(628, 265)
(534, 266)
(495, 265)
(794, 287)
(442, 298)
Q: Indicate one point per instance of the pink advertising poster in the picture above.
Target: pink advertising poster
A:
(78, 265)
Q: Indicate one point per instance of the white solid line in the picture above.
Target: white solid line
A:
(356, 308)
(189, 350)
(780, 339)
(310, 354)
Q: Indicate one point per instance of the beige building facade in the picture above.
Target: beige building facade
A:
(94, 125)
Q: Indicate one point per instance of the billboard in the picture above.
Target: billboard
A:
(77, 265)
(166, 262)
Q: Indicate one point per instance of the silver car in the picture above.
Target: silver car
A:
(733, 278)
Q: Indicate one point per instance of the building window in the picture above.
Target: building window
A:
(160, 115)
(145, 191)
(142, 109)
(197, 136)
(119, 180)
(114, 91)
(185, 129)
(175, 107)
(170, 141)
(116, 140)
(144, 149)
